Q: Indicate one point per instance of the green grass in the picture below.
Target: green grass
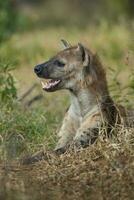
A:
(106, 168)
(38, 124)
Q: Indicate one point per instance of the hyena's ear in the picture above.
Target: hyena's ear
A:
(84, 55)
(65, 44)
(88, 66)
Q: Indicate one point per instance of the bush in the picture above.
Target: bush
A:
(7, 84)
(8, 18)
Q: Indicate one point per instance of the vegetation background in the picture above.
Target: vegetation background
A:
(30, 32)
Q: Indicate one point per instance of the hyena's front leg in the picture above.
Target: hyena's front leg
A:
(68, 129)
(88, 131)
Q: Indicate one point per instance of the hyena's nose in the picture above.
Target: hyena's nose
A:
(38, 69)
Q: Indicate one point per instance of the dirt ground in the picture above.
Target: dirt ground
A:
(105, 173)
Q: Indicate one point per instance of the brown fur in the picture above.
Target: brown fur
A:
(91, 105)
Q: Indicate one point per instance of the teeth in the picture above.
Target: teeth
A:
(49, 84)
(43, 85)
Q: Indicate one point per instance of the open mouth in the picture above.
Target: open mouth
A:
(50, 85)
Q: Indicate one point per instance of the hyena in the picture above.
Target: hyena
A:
(80, 71)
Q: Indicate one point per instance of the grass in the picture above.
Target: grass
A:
(107, 166)
(103, 171)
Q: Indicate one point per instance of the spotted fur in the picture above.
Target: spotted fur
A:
(91, 106)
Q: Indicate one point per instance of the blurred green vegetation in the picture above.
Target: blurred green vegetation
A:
(8, 18)
(8, 90)
(77, 13)
(24, 15)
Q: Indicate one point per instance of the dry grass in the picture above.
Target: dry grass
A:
(103, 171)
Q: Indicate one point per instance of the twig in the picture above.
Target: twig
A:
(35, 98)
(28, 92)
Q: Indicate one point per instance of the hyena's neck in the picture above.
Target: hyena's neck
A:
(84, 102)
(87, 101)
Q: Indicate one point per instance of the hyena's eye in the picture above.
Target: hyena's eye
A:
(59, 63)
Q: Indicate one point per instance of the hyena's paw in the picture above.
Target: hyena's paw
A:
(81, 141)
(86, 138)
(60, 150)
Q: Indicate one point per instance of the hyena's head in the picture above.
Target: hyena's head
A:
(69, 69)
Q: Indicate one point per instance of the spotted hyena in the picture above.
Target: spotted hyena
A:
(80, 71)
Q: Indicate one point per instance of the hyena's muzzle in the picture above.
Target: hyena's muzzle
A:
(53, 70)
